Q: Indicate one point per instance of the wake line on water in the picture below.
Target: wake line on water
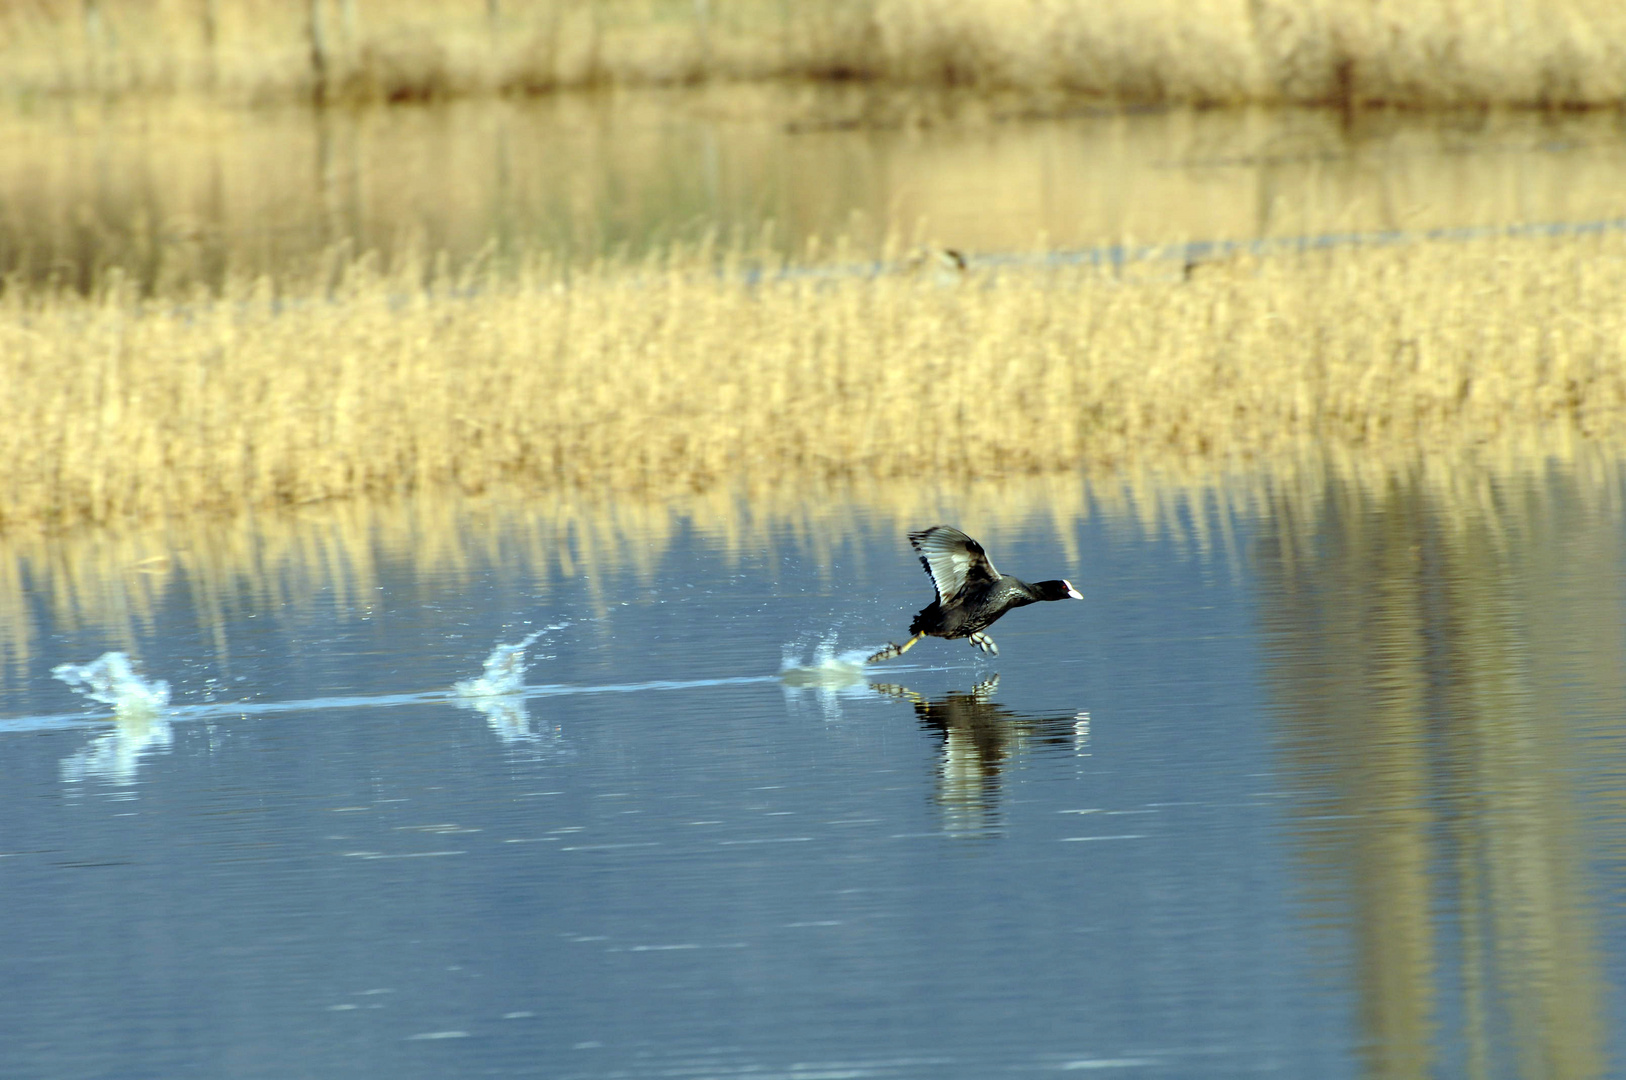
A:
(112, 679)
(359, 701)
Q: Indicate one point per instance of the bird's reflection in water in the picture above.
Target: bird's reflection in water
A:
(977, 739)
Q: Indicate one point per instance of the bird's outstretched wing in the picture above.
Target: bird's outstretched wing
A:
(953, 560)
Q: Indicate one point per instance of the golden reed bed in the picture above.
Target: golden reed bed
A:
(674, 376)
(1561, 53)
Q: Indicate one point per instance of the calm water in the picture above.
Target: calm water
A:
(1326, 788)
(180, 195)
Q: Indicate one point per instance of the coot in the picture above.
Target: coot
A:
(971, 594)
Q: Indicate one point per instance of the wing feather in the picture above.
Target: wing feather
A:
(953, 560)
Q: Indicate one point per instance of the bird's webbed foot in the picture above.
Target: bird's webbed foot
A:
(894, 650)
(984, 642)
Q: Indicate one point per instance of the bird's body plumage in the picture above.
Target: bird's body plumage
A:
(971, 594)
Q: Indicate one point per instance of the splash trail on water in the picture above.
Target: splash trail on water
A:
(111, 680)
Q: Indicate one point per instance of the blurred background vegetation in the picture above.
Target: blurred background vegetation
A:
(1429, 53)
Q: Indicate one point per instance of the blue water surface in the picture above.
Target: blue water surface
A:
(1090, 853)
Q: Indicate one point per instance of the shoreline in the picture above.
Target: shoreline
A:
(1338, 53)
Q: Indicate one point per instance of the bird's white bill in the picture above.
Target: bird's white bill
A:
(1074, 593)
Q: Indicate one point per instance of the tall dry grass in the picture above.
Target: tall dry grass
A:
(672, 376)
(1352, 52)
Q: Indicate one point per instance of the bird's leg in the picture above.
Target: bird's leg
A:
(894, 650)
(984, 642)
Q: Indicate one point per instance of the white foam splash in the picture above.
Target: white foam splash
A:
(497, 693)
(504, 669)
(827, 674)
(140, 724)
(826, 666)
(112, 680)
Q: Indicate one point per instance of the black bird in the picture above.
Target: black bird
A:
(971, 594)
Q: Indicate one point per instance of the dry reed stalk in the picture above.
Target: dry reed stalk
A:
(674, 378)
(1348, 52)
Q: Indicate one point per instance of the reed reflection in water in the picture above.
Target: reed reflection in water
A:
(179, 196)
(1448, 680)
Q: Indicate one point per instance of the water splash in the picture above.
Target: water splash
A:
(827, 675)
(497, 693)
(826, 666)
(112, 680)
(139, 715)
(504, 669)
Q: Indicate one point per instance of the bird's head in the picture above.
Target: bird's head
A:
(1057, 590)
